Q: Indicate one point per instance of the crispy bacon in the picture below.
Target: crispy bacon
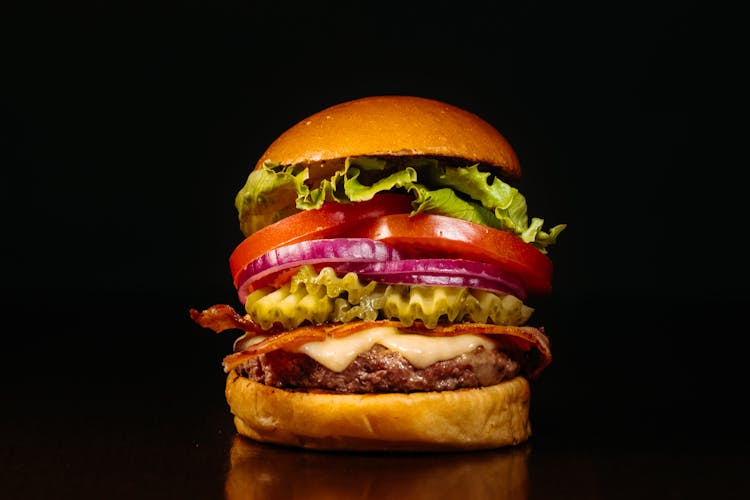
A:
(284, 340)
(221, 317)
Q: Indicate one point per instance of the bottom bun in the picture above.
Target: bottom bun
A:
(466, 419)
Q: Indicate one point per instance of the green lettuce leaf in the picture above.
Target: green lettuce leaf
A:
(345, 185)
(274, 192)
(445, 201)
(506, 202)
(269, 195)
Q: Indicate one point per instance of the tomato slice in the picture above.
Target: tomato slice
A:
(329, 221)
(438, 235)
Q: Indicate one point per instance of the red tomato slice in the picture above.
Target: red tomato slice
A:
(329, 221)
(438, 235)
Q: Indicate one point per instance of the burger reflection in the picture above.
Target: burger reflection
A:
(263, 471)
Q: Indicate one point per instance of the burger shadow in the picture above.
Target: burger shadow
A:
(261, 471)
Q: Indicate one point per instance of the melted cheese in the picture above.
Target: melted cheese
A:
(420, 350)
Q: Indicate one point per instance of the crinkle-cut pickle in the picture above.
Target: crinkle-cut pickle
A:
(316, 298)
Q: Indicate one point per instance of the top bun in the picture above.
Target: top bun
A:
(393, 126)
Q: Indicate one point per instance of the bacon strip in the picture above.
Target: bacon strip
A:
(284, 340)
(221, 317)
(520, 337)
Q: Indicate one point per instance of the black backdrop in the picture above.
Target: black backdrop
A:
(127, 130)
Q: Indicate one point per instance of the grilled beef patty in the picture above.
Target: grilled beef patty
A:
(381, 370)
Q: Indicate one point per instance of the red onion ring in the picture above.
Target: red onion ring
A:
(328, 251)
(376, 261)
(439, 272)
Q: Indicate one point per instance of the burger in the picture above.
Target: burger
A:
(386, 280)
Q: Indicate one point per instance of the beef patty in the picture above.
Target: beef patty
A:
(381, 370)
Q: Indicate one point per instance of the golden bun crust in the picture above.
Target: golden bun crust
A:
(392, 126)
(466, 419)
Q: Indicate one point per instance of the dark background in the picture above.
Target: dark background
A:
(127, 130)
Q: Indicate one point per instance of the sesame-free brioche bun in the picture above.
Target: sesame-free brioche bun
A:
(392, 126)
(466, 419)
